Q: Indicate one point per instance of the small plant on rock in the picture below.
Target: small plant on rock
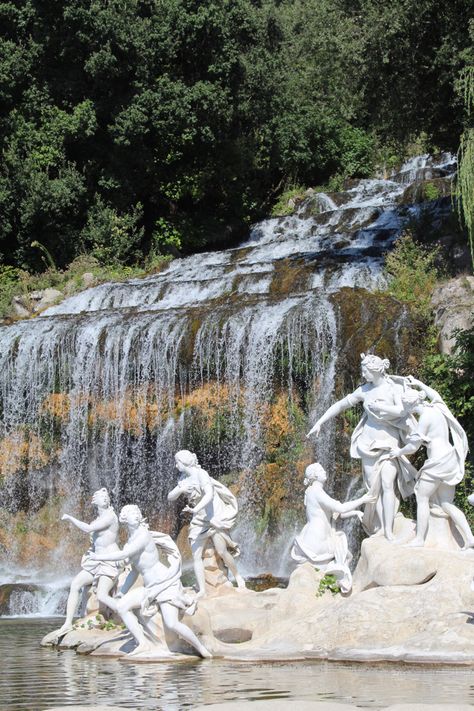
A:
(328, 583)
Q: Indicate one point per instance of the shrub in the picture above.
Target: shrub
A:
(287, 201)
(412, 274)
(9, 285)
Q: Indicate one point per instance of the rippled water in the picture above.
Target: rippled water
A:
(35, 678)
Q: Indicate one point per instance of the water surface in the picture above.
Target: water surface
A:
(35, 678)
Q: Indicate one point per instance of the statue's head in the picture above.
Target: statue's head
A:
(101, 498)
(412, 398)
(131, 514)
(315, 472)
(373, 366)
(184, 459)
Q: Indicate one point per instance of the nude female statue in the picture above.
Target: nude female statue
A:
(444, 466)
(104, 532)
(162, 587)
(214, 510)
(373, 437)
(318, 542)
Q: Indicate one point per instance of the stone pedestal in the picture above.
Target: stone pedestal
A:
(217, 582)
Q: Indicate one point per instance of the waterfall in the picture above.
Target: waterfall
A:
(103, 388)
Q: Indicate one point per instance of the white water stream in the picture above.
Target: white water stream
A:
(222, 319)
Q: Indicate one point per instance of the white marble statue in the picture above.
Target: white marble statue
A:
(373, 436)
(162, 589)
(435, 428)
(103, 531)
(214, 511)
(319, 542)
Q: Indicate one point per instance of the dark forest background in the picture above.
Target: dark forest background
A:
(130, 128)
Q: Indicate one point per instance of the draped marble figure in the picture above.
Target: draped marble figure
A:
(319, 542)
(161, 589)
(373, 437)
(214, 511)
(446, 447)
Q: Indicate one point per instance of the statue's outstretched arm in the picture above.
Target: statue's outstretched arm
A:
(430, 392)
(176, 492)
(336, 409)
(99, 524)
(341, 508)
(128, 550)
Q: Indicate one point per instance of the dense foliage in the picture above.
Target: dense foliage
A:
(134, 128)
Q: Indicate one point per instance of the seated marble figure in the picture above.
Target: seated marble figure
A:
(319, 543)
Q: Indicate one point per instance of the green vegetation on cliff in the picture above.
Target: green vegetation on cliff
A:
(129, 129)
(413, 275)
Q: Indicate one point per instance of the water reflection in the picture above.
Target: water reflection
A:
(38, 678)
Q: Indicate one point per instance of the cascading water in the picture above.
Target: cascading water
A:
(103, 388)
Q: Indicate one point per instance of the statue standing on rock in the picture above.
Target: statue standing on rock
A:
(161, 589)
(103, 531)
(214, 511)
(400, 415)
(444, 466)
(371, 440)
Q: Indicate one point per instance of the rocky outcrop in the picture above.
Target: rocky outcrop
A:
(35, 301)
(408, 604)
(453, 306)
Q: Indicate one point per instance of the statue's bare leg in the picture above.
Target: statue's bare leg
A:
(197, 551)
(388, 476)
(81, 580)
(221, 549)
(424, 491)
(125, 606)
(446, 497)
(104, 586)
(171, 621)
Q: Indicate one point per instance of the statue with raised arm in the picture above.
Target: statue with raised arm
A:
(446, 449)
(103, 532)
(214, 511)
(373, 437)
(319, 543)
(161, 590)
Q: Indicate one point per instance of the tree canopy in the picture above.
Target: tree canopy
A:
(132, 127)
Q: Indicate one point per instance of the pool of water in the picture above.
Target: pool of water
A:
(35, 678)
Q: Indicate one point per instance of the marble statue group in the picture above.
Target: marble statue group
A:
(142, 580)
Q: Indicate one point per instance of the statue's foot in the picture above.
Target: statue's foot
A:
(468, 544)
(389, 536)
(140, 649)
(240, 582)
(200, 594)
(62, 631)
(52, 638)
(205, 653)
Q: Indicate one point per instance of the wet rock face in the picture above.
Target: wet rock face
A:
(18, 599)
(453, 305)
(230, 354)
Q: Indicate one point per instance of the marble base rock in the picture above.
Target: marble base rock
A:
(407, 605)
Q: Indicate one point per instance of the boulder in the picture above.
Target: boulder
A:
(88, 280)
(453, 306)
(35, 301)
(407, 604)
